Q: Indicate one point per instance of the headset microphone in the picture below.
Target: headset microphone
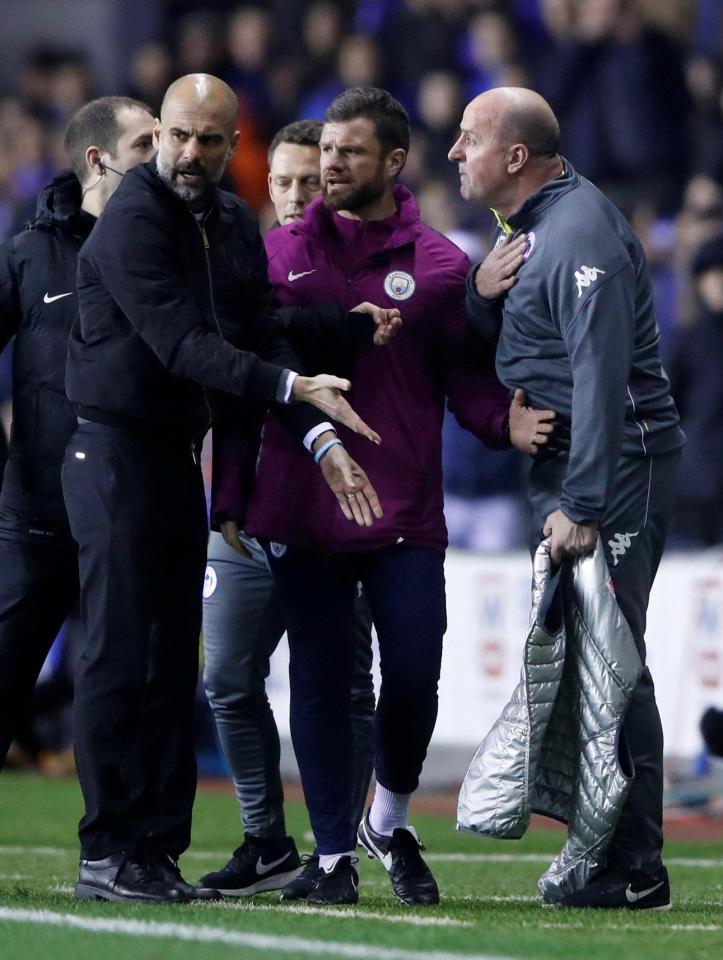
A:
(102, 167)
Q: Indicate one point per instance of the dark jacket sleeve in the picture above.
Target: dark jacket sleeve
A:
(10, 312)
(474, 394)
(235, 443)
(599, 335)
(327, 338)
(483, 315)
(134, 263)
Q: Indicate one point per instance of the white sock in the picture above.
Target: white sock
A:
(327, 861)
(389, 810)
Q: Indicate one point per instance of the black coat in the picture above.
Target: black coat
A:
(172, 310)
(38, 306)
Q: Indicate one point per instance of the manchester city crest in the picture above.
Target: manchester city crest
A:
(399, 285)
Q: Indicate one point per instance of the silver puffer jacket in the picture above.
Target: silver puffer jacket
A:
(554, 748)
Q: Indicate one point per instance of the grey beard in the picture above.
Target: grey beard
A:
(187, 193)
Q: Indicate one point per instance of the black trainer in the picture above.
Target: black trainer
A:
(623, 889)
(123, 877)
(412, 880)
(169, 870)
(304, 882)
(337, 886)
(259, 864)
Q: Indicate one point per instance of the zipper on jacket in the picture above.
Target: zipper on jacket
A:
(206, 248)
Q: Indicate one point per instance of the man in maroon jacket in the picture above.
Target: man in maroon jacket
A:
(363, 240)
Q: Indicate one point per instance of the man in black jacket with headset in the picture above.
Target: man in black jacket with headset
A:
(38, 558)
(174, 309)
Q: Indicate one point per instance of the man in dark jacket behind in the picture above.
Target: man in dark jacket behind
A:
(567, 292)
(38, 558)
(173, 297)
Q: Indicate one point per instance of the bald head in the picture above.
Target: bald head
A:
(507, 147)
(204, 93)
(519, 115)
(196, 135)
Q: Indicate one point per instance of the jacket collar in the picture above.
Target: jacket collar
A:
(318, 221)
(59, 205)
(548, 194)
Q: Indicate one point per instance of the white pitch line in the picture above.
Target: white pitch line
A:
(312, 911)
(208, 934)
(695, 862)
(676, 927)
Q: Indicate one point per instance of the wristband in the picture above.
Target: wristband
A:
(324, 448)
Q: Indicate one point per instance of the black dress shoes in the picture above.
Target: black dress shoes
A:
(121, 876)
(169, 871)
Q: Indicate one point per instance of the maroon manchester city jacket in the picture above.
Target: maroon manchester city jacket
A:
(399, 389)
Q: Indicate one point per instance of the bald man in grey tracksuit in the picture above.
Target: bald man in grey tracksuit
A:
(566, 291)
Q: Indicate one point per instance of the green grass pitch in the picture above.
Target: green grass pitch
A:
(489, 906)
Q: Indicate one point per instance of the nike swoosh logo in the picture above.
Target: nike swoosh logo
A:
(58, 296)
(263, 868)
(633, 897)
(297, 276)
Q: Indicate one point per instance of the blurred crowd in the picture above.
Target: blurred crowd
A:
(637, 86)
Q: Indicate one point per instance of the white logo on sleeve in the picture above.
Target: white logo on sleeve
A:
(297, 276)
(58, 296)
(584, 277)
(399, 285)
(210, 582)
(620, 544)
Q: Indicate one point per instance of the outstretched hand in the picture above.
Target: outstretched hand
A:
(529, 428)
(325, 392)
(387, 320)
(354, 493)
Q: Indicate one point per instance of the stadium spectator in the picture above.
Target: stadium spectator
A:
(617, 85)
(38, 559)
(696, 376)
(365, 235)
(569, 263)
(160, 281)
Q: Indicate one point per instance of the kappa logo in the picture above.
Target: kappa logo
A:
(399, 285)
(210, 582)
(620, 544)
(584, 277)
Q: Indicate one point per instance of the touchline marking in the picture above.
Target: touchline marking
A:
(311, 910)
(208, 934)
(695, 862)
(677, 927)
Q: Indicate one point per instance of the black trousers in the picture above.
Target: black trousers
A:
(633, 531)
(404, 586)
(138, 512)
(38, 589)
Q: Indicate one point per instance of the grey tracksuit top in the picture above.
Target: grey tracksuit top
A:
(578, 333)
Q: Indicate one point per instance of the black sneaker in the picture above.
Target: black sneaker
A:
(626, 889)
(337, 886)
(412, 880)
(123, 877)
(169, 871)
(257, 865)
(304, 882)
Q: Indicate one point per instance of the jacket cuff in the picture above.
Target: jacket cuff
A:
(264, 381)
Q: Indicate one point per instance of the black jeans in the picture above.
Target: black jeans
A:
(38, 589)
(633, 531)
(137, 510)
